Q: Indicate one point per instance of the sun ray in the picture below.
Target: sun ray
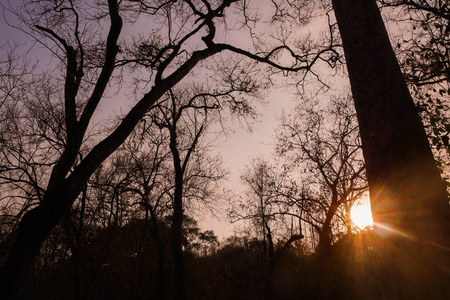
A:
(361, 216)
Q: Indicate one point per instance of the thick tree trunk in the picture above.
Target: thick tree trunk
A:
(177, 220)
(323, 251)
(177, 250)
(323, 248)
(34, 227)
(160, 279)
(409, 202)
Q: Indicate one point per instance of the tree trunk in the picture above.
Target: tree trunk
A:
(325, 233)
(177, 221)
(177, 250)
(77, 274)
(160, 279)
(161, 249)
(325, 260)
(270, 256)
(409, 203)
(33, 229)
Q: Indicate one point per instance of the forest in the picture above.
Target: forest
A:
(113, 119)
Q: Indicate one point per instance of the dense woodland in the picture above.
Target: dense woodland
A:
(111, 114)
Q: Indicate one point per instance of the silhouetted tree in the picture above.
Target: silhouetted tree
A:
(145, 157)
(186, 115)
(408, 197)
(323, 145)
(268, 210)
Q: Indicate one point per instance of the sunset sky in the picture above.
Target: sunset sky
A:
(238, 148)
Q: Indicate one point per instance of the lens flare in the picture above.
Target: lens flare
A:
(361, 216)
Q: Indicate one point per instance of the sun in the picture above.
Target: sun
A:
(361, 215)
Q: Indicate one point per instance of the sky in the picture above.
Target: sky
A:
(237, 149)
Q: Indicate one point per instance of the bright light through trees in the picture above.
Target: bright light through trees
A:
(361, 216)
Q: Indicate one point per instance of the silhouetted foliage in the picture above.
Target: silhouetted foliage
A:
(233, 270)
(422, 46)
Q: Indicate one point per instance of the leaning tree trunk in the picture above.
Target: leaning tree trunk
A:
(33, 229)
(409, 203)
(325, 234)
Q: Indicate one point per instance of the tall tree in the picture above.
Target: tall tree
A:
(409, 203)
(145, 160)
(187, 114)
(84, 39)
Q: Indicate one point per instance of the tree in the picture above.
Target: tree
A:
(424, 55)
(196, 241)
(144, 162)
(408, 197)
(187, 115)
(96, 217)
(325, 149)
(90, 58)
(268, 206)
(422, 47)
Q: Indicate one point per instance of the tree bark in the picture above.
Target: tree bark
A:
(177, 221)
(325, 234)
(409, 203)
(177, 250)
(34, 227)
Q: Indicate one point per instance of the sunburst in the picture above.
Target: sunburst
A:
(361, 216)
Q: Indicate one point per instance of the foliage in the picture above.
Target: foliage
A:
(232, 271)
(422, 46)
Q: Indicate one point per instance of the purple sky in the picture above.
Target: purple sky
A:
(237, 149)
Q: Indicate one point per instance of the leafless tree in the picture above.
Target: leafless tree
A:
(266, 204)
(91, 61)
(187, 114)
(324, 145)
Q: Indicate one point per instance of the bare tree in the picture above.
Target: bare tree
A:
(325, 147)
(186, 115)
(148, 157)
(268, 205)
